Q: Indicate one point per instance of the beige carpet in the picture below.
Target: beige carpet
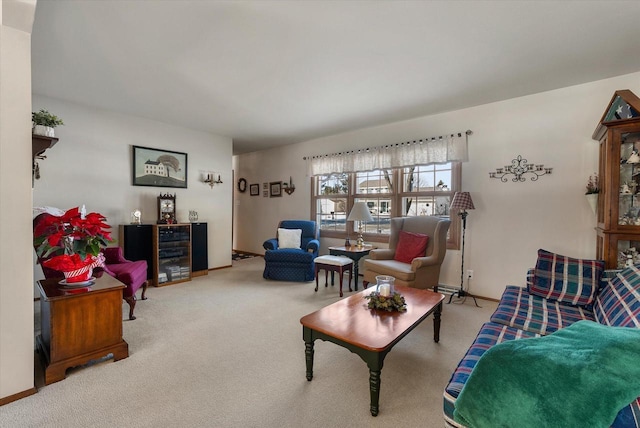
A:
(226, 350)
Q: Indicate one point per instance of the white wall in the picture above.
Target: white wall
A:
(92, 164)
(511, 220)
(16, 273)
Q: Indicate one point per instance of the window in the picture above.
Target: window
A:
(400, 192)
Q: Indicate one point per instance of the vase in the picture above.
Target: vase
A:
(47, 131)
(384, 285)
(78, 276)
(592, 198)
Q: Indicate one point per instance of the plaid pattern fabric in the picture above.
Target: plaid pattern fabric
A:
(521, 315)
(565, 279)
(462, 201)
(490, 334)
(618, 304)
(629, 417)
(607, 274)
(519, 309)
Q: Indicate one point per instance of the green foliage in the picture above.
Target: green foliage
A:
(392, 303)
(44, 118)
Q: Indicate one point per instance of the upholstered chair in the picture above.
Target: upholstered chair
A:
(421, 271)
(289, 256)
(133, 274)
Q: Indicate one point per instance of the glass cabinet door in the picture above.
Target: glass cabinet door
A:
(629, 192)
(628, 253)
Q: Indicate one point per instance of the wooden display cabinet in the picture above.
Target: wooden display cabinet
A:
(618, 213)
(172, 254)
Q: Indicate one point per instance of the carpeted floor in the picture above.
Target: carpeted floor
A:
(226, 350)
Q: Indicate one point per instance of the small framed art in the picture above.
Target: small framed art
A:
(254, 189)
(275, 189)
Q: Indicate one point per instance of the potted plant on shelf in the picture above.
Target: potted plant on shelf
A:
(593, 188)
(74, 240)
(45, 122)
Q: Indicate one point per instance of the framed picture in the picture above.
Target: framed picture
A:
(265, 193)
(275, 189)
(159, 168)
(265, 186)
(254, 189)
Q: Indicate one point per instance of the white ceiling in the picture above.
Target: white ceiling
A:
(269, 73)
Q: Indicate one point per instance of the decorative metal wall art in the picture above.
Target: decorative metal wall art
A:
(519, 168)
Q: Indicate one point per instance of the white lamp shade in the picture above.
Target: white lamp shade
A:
(360, 212)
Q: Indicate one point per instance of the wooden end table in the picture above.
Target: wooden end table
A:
(354, 253)
(79, 325)
(369, 333)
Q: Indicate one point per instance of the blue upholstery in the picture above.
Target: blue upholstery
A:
(292, 264)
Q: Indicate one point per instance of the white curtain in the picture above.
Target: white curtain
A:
(451, 148)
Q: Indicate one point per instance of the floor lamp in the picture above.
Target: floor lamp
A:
(462, 202)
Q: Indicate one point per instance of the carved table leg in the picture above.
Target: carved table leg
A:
(307, 335)
(308, 353)
(374, 389)
(436, 323)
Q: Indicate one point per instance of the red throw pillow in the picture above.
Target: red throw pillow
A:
(410, 245)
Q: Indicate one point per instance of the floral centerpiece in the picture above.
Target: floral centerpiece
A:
(389, 303)
(74, 239)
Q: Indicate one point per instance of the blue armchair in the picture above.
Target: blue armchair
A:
(292, 264)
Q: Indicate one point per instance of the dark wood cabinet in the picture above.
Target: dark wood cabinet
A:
(136, 241)
(618, 213)
(169, 250)
(79, 325)
(199, 251)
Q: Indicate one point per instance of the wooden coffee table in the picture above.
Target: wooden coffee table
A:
(369, 333)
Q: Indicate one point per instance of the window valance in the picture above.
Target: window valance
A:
(443, 149)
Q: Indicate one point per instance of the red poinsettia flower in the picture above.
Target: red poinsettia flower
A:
(71, 234)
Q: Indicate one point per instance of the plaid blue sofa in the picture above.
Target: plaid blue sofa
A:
(521, 314)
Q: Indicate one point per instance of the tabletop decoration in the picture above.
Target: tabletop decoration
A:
(73, 239)
(394, 302)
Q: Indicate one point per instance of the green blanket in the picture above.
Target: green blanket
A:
(580, 376)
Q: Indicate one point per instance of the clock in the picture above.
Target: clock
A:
(166, 209)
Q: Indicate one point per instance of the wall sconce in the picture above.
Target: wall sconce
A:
(289, 187)
(519, 168)
(211, 178)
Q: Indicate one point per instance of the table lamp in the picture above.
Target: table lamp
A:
(360, 212)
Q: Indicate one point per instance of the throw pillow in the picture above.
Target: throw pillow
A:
(565, 279)
(617, 304)
(410, 245)
(289, 238)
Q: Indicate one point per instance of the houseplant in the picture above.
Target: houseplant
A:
(71, 242)
(593, 188)
(45, 122)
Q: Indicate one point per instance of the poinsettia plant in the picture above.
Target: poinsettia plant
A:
(74, 238)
